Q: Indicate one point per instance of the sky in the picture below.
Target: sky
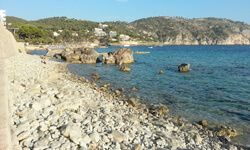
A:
(127, 10)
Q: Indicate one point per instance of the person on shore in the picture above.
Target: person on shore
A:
(43, 59)
(120, 63)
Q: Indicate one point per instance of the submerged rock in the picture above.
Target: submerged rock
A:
(95, 76)
(126, 69)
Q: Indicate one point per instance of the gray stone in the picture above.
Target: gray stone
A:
(119, 136)
(95, 137)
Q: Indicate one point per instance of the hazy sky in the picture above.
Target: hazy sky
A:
(127, 10)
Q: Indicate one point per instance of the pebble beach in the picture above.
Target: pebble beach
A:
(54, 109)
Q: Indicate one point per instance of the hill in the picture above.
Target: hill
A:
(167, 30)
(181, 31)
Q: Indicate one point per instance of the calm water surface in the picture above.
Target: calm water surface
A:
(217, 88)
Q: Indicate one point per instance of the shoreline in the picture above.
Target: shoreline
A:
(54, 108)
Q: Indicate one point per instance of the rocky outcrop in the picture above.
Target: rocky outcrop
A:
(80, 55)
(124, 55)
(54, 52)
(184, 67)
(125, 69)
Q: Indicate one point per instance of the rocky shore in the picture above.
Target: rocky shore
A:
(54, 109)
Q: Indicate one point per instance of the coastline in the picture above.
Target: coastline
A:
(55, 109)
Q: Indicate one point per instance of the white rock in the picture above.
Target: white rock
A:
(95, 137)
(119, 136)
(197, 138)
(55, 144)
(86, 138)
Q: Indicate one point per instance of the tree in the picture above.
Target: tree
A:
(30, 32)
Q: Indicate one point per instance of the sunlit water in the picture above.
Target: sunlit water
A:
(217, 88)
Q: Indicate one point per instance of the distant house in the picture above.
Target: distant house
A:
(112, 34)
(3, 17)
(56, 34)
(99, 32)
(60, 31)
(124, 37)
(103, 25)
(74, 34)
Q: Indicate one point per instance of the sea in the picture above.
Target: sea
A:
(216, 89)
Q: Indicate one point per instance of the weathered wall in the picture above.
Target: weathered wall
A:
(8, 44)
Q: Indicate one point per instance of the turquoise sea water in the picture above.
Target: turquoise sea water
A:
(217, 88)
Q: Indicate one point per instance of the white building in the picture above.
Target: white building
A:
(124, 37)
(112, 33)
(99, 32)
(56, 34)
(3, 17)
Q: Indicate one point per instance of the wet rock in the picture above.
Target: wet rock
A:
(125, 69)
(95, 76)
(184, 67)
(134, 89)
(160, 72)
(117, 92)
(203, 123)
(227, 132)
(124, 55)
(132, 101)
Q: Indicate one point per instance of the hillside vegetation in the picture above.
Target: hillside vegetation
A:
(160, 30)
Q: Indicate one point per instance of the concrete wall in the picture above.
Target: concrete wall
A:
(8, 48)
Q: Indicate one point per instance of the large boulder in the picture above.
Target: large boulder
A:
(53, 52)
(89, 55)
(124, 55)
(83, 55)
(184, 67)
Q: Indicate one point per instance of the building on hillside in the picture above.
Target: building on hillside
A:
(3, 17)
(112, 34)
(124, 37)
(60, 31)
(99, 32)
(74, 34)
(103, 25)
(56, 34)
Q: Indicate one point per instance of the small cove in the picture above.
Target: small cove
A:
(216, 89)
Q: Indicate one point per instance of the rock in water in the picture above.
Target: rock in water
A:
(133, 102)
(126, 69)
(184, 67)
(95, 76)
(160, 72)
(89, 55)
(124, 55)
(83, 55)
(134, 89)
(203, 123)
(227, 132)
